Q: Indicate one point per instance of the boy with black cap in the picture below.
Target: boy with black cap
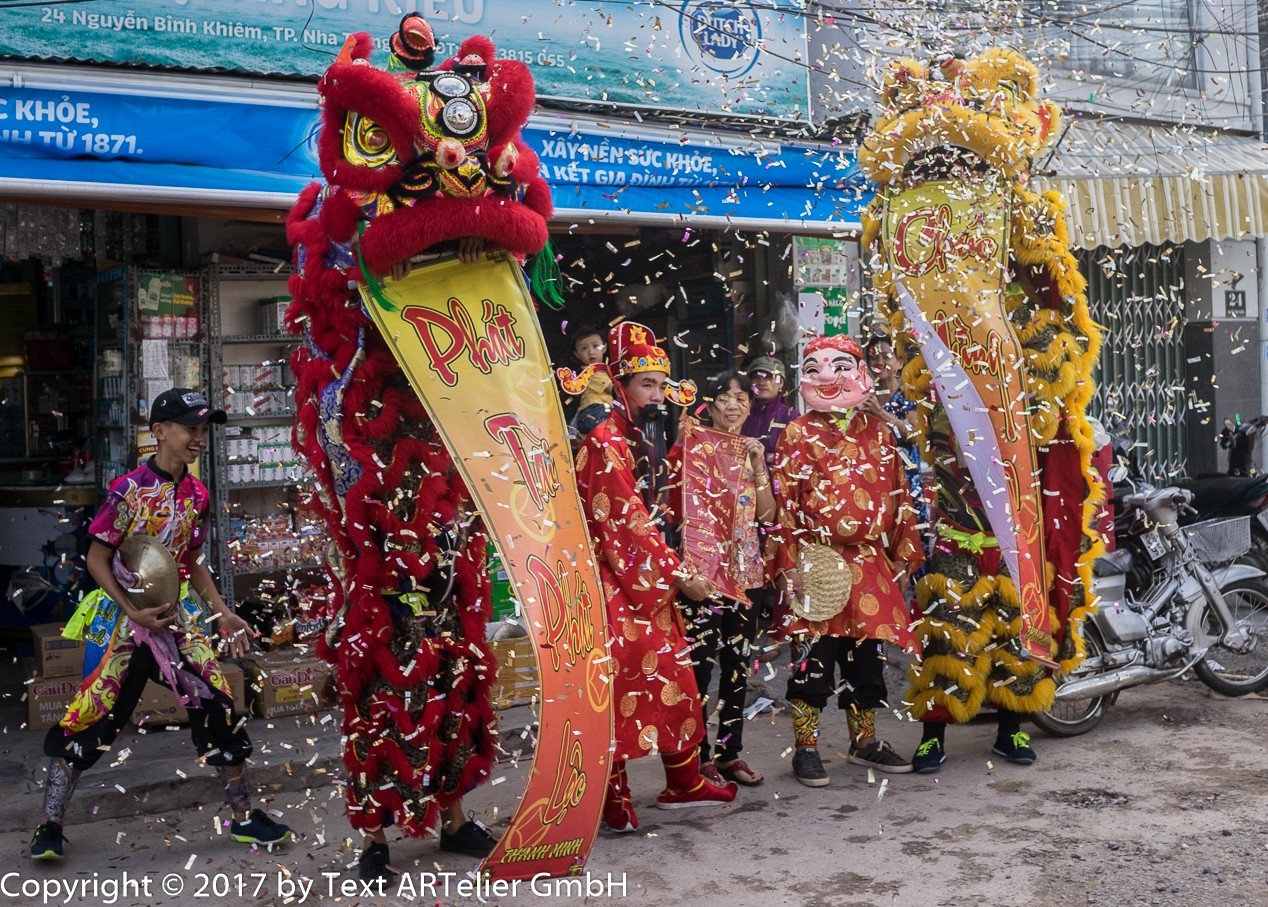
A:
(165, 642)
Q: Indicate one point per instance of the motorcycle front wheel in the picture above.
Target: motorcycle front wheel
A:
(1077, 716)
(1226, 670)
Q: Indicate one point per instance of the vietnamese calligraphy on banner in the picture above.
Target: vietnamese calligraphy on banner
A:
(468, 340)
(703, 55)
(946, 243)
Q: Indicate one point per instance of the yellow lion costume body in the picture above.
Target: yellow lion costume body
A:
(961, 121)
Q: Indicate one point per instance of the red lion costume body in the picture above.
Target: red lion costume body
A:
(412, 159)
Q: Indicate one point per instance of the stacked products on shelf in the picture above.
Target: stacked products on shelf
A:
(287, 679)
(259, 390)
(273, 315)
(167, 305)
(264, 542)
(261, 453)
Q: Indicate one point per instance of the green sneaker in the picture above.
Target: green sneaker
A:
(1015, 748)
(929, 757)
(259, 828)
(47, 842)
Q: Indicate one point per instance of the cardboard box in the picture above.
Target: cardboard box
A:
(517, 680)
(47, 699)
(54, 655)
(273, 314)
(286, 682)
(159, 706)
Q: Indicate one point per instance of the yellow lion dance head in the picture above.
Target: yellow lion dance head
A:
(987, 107)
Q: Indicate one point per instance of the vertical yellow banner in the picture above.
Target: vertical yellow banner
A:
(468, 339)
(947, 246)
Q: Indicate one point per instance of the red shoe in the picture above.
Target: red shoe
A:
(704, 793)
(618, 808)
(620, 818)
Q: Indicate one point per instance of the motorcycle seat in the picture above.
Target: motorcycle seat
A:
(1116, 563)
(1218, 493)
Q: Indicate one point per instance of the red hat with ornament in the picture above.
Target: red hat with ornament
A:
(632, 350)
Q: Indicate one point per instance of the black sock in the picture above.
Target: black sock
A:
(1009, 724)
(934, 730)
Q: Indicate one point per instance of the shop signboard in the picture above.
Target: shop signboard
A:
(140, 135)
(696, 55)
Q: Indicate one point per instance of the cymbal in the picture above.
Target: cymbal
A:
(157, 576)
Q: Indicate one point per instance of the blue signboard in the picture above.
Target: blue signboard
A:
(179, 141)
(698, 55)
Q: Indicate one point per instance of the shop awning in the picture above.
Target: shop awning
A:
(1128, 184)
(202, 144)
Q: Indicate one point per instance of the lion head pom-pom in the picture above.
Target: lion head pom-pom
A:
(414, 43)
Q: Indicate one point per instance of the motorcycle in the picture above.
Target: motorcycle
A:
(1238, 438)
(1239, 492)
(1171, 600)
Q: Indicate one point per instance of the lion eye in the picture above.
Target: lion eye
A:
(1005, 94)
(367, 143)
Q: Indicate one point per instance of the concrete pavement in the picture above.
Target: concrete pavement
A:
(1160, 805)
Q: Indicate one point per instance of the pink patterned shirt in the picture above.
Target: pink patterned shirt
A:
(149, 501)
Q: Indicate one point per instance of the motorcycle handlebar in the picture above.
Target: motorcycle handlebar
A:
(1175, 497)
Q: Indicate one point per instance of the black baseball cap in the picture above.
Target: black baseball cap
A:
(185, 406)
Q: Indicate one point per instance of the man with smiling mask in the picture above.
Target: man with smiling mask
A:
(845, 514)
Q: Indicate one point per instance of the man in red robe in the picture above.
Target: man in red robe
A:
(844, 506)
(654, 686)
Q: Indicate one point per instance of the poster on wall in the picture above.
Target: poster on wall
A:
(828, 277)
(714, 55)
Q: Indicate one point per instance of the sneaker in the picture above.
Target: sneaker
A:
(373, 866)
(1015, 748)
(705, 793)
(47, 843)
(471, 838)
(878, 754)
(929, 756)
(808, 767)
(259, 828)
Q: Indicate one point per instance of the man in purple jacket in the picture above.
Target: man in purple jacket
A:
(770, 413)
(767, 420)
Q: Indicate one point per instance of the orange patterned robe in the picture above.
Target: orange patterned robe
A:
(654, 688)
(845, 487)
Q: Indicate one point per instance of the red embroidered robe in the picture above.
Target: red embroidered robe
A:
(846, 488)
(657, 703)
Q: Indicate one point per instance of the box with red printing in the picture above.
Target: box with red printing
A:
(287, 683)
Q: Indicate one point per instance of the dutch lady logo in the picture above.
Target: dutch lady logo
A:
(721, 36)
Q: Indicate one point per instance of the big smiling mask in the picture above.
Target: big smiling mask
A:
(834, 375)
